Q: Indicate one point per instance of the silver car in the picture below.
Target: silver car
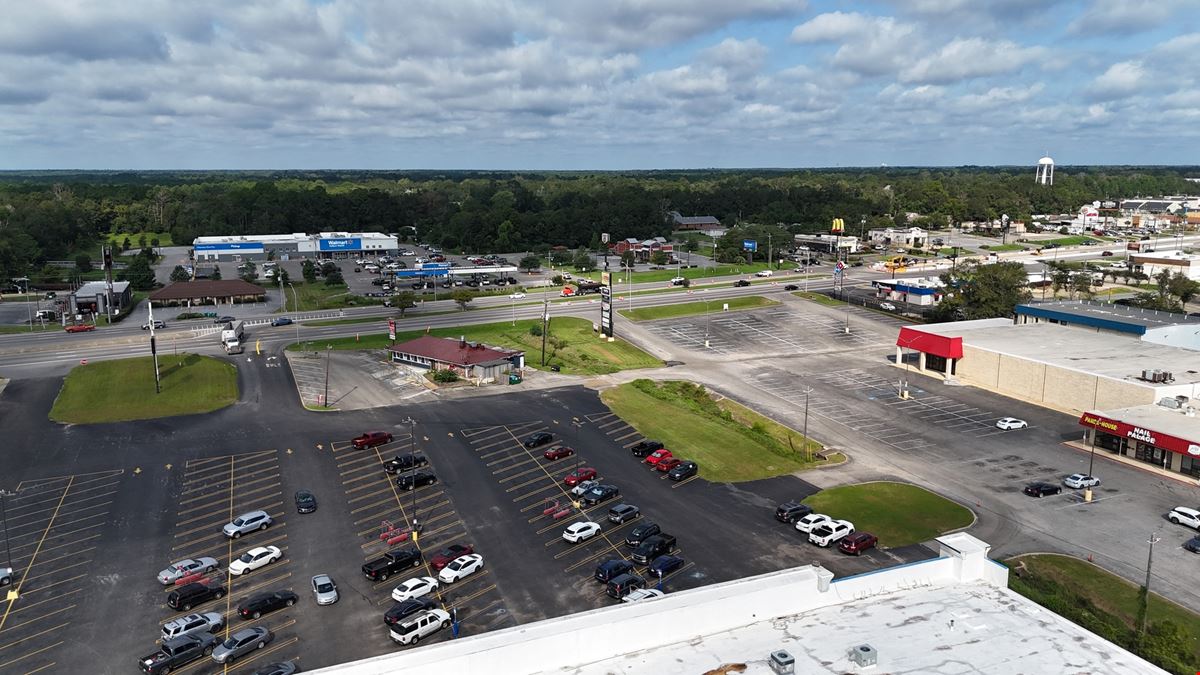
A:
(185, 568)
(209, 622)
(247, 522)
(242, 642)
(324, 589)
(6, 576)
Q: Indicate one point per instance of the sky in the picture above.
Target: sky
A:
(601, 85)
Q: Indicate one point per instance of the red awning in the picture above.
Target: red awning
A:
(930, 343)
(1155, 438)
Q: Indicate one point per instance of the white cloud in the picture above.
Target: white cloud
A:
(1126, 16)
(870, 45)
(964, 59)
(1119, 81)
(736, 55)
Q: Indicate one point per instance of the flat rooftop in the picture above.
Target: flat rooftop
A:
(1100, 353)
(1158, 418)
(1107, 311)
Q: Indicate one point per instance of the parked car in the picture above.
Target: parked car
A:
(641, 532)
(183, 568)
(581, 531)
(324, 590)
(812, 521)
(254, 559)
(640, 594)
(242, 642)
(887, 306)
(420, 626)
(665, 465)
(405, 462)
(281, 321)
(858, 542)
(619, 587)
(664, 565)
(461, 568)
(247, 522)
(740, 283)
(1079, 480)
(193, 624)
(401, 611)
(449, 553)
(657, 456)
(645, 447)
(258, 604)
(1192, 544)
(829, 533)
(416, 587)
(579, 475)
(652, 547)
(600, 494)
(1041, 489)
(412, 481)
(539, 438)
(306, 502)
(80, 328)
(371, 439)
(391, 562)
(184, 598)
(1008, 423)
(158, 323)
(683, 470)
(611, 569)
(558, 453)
(623, 512)
(791, 511)
(1183, 515)
(177, 652)
(278, 668)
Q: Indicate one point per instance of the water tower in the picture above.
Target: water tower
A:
(1045, 171)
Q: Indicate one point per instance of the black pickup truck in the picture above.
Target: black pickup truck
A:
(404, 463)
(392, 562)
(652, 547)
(177, 652)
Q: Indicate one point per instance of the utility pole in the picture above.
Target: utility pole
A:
(769, 252)
(807, 391)
(4, 517)
(412, 437)
(1145, 604)
(325, 401)
(545, 327)
(154, 347)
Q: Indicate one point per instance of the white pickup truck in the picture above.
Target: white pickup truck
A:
(6, 576)
(830, 533)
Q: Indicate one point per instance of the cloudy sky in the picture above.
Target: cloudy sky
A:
(596, 84)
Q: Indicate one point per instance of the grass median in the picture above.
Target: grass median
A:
(898, 513)
(571, 344)
(693, 308)
(820, 299)
(729, 445)
(123, 390)
(1109, 606)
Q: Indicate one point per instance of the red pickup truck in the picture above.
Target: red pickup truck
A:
(371, 439)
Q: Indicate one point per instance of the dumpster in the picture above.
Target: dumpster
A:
(513, 378)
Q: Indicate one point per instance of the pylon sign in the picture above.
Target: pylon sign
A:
(839, 226)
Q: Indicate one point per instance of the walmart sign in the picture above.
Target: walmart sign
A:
(352, 244)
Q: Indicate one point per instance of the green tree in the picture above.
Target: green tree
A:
(83, 263)
(154, 242)
(309, 271)
(126, 244)
(404, 300)
(138, 273)
(582, 260)
(658, 258)
(560, 257)
(179, 274)
(504, 236)
(249, 271)
(216, 273)
(983, 291)
(1183, 288)
(462, 297)
(334, 278)
(142, 241)
(530, 263)
(628, 259)
(1081, 283)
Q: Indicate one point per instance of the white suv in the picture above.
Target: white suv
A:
(1183, 515)
(422, 625)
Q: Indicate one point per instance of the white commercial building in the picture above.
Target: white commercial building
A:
(1152, 264)
(950, 614)
(289, 246)
(827, 243)
(911, 237)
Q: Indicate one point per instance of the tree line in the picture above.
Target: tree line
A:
(59, 215)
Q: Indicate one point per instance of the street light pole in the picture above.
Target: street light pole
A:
(412, 437)
(296, 305)
(807, 391)
(1145, 608)
(4, 517)
(325, 400)
(706, 319)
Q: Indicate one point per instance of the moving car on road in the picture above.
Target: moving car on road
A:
(1008, 423)
(887, 306)
(371, 439)
(581, 531)
(158, 323)
(80, 328)
(184, 568)
(281, 321)
(740, 283)
(324, 590)
(1041, 489)
(254, 559)
(1080, 480)
(306, 502)
(242, 642)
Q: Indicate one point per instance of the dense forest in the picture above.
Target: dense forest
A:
(57, 215)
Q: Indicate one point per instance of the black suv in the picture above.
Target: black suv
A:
(404, 463)
(790, 512)
(412, 481)
(261, 603)
(641, 532)
(189, 595)
(540, 438)
(611, 569)
(645, 447)
(402, 610)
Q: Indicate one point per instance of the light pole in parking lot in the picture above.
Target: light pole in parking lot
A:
(706, 304)
(4, 517)
(412, 469)
(328, 350)
(1087, 492)
(807, 391)
(1144, 595)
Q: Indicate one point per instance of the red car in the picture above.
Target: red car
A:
(371, 439)
(579, 475)
(658, 456)
(855, 544)
(558, 453)
(665, 465)
(447, 555)
(80, 328)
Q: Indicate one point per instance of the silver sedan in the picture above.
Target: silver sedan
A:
(324, 589)
(242, 642)
(184, 568)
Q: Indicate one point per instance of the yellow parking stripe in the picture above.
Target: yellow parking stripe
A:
(38, 670)
(25, 656)
(544, 488)
(56, 598)
(35, 620)
(17, 588)
(12, 518)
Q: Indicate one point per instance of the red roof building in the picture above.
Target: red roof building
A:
(472, 360)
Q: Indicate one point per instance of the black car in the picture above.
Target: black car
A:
(685, 470)
(404, 463)
(611, 569)
(600, 494)
(412, 481)
(641, 532)
(1042, 489)
(281, 321)
(224, 319)
(645, 447)
(278, 668)
(540, 438)
(402, 610)
(740, 283)
(1192, 544)
(791, 287)
(261, 603)
(664, 565)
(306, 502)
(790, 512)
(190, 595)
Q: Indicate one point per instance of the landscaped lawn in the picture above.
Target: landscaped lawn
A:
(318, 296)
(693, 426)
(694, 273)
(37, 328)
(1074, 240)
(898, 513)
(820, 298)
(571, 345)
(691, 308)
(1101, 602)
(164, 239)
(1001, 248)
(121, 390)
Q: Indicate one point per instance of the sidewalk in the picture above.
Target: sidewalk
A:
(1183, 479)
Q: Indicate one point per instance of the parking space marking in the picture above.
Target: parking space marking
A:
(35, 620)
(34, 653)
(17, 588)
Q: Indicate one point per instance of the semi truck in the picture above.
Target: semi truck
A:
(231, 336)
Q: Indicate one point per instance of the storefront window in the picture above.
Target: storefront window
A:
(1190, 466)
(1149, 454)
(1108, 441)
(936, 363)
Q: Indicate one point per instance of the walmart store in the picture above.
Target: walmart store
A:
(325, 245)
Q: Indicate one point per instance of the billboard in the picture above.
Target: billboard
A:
(251, 247)
(749, 245)
(350, 244)
(392, 330)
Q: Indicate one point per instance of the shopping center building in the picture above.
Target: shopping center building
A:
(323, 245)
(1165, 435)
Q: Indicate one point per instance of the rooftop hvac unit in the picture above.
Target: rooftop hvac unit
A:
(864, 655)
(1148, 375)
(782, 662)
(1169, 402)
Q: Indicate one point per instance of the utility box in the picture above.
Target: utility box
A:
(782, 662)
(864, 655)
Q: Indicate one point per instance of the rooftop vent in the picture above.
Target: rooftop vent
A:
(782, 662)
(1169, 402)
(864, 655)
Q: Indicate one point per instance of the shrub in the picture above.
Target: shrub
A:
(445, 376)
(535, 330)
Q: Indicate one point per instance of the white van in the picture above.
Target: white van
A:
(422, 625)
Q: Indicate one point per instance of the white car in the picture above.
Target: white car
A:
(422, 625)
(581, 531)
(414, 588)
(580, 489)
(254, 559)
(192, 624)
(763, 273)
(185, 568)
(677, 281)
(830, 533)
(1183, 515)
(1008, 423)
(1079, 480)
(639, 594)
(517, 296)
(887, 306)
(567, 276)
(812, 521)
(324, 590)
(461, 567)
